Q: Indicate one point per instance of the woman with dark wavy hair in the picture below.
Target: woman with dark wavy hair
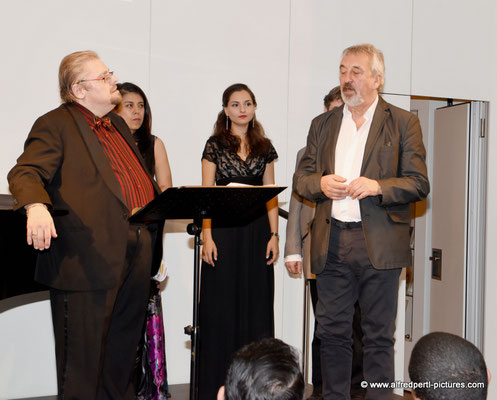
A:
(151, 375)
(237, 279)
(136, 111)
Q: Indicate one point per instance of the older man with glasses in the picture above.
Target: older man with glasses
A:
(78, 180)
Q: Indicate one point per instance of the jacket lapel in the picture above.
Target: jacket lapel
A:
(96, 152)
(380, 115)
(332, 132)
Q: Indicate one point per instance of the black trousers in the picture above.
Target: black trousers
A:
(357, 377)
(317, 380)
(349, 277)
(97, 332)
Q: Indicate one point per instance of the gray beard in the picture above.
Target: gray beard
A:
(353, 101)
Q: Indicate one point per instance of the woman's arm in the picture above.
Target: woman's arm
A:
(272, 250)
(209, 249)
(162, 169)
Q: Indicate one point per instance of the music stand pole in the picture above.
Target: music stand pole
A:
(194, 229)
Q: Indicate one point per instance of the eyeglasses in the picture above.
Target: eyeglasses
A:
(106, 78)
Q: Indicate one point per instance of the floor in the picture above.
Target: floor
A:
(182, 392)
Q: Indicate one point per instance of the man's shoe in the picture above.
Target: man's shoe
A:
(317, 393)
(357, 394)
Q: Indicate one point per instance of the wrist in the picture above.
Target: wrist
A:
(380, 192)
(33, 205)
(275, 234)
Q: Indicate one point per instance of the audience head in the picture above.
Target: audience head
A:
(263, 370)
(230, 117)
(134, 108)
(85, 79)
(333, 99)
(447, 360)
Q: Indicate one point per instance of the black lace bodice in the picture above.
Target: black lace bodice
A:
(231, 168)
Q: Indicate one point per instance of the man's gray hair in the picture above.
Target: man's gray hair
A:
(377, 62)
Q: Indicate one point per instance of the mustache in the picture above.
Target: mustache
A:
(348, 86)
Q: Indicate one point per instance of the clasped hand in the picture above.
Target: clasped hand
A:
(335, 188)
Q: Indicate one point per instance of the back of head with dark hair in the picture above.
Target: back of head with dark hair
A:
(263, 370)
(334, 95)
(443, 358)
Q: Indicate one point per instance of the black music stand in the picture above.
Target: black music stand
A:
(199, 202)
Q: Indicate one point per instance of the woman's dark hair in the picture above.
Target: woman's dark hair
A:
(143, 135)
(257, 141)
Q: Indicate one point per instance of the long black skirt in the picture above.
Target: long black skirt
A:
(236, 298)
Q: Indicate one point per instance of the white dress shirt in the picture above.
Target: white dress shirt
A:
(349, 153)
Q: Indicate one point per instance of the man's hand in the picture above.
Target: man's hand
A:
(294, 267)
(363, 187)
(334, 187)
(40, 228)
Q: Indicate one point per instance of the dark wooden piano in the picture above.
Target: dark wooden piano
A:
(17, 258)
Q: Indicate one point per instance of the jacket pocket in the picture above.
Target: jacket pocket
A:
(400, 217)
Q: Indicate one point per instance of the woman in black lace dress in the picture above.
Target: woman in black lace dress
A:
(237, 279)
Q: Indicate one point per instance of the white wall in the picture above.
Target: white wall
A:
(453, 46)
(185, 53)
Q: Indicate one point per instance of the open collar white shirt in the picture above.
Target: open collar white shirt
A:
(349, 152)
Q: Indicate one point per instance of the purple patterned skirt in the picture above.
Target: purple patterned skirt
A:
(152, 382)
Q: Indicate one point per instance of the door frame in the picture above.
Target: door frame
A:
(475, 228)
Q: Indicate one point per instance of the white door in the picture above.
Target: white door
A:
(449, 203)
(452, 220)
(458, 209)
